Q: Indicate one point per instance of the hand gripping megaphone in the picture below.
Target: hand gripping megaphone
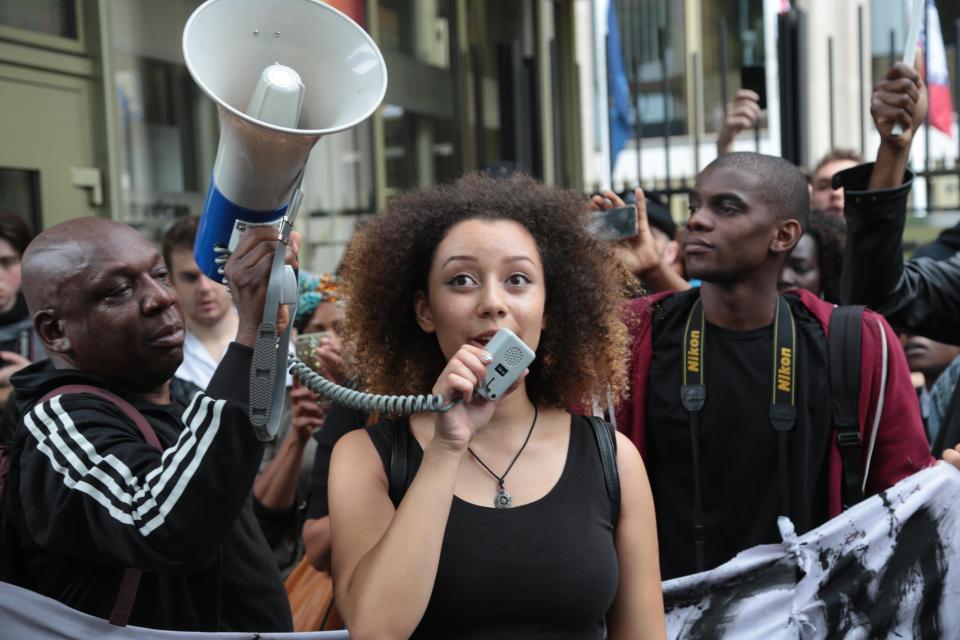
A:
(283, 73)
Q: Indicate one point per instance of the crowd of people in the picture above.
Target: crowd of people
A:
(137, 490)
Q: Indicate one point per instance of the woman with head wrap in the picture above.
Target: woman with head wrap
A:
(318, 324)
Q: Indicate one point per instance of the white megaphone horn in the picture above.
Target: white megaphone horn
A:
(283, 73)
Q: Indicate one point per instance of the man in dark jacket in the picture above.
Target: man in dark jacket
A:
(89, 498)
(921, 297)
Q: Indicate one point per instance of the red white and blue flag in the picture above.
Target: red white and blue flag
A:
(937, 77)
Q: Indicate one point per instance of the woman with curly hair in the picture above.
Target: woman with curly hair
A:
(815, 263)
(428, 283)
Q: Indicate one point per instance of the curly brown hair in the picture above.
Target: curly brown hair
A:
(582, 354)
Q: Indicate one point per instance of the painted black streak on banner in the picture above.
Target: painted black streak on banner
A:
(723, 605)
(917, 563)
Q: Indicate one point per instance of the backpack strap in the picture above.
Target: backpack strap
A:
(145, 429)
(399, 463)
(606, 439)
(6, 462)
(843, 352)
(130, 583)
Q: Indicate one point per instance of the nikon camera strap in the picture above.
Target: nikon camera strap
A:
(783, 408)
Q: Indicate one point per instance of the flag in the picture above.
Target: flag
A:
(621, 115)
(937, 78)
(352, 8)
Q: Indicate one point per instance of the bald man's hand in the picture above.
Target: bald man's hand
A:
(248, 272)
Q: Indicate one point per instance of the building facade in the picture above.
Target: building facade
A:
(682, 61)
(100, 116)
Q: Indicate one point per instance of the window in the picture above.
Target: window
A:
(51, 17)
(20, 193)
(418, 149)
(652, 37)
(168, 134)
(744, 32)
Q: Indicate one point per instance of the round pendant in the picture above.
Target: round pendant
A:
(503, 499)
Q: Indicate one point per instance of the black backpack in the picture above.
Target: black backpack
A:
(843, 356)
(401, 475)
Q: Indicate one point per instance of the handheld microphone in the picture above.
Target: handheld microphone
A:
(511, 356)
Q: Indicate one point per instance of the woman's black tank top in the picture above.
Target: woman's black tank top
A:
(547, 569)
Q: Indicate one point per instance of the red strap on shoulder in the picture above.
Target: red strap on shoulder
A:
(130, 583)
(148, 433)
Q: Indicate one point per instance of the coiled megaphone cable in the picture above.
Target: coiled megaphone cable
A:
(369, 402)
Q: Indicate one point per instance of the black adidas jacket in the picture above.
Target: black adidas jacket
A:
(89, 497)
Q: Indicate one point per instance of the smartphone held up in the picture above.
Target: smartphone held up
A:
(754, 78)
(616, 223)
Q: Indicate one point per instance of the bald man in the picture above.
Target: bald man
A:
(88, 498)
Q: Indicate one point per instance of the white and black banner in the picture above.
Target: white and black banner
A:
(880, 570)
(27, 615)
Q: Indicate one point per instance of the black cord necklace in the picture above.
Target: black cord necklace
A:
(504, 500)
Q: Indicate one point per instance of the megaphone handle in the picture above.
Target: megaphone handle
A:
(290, 215)
(270, 357)
(269, 353)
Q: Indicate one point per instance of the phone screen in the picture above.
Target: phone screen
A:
(754, 77)
(306, 346)
(614, 224)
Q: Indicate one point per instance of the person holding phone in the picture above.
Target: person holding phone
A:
(646, 254)
(741, 114)
(430, 281)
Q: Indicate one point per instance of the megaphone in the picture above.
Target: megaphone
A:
(283, 73)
